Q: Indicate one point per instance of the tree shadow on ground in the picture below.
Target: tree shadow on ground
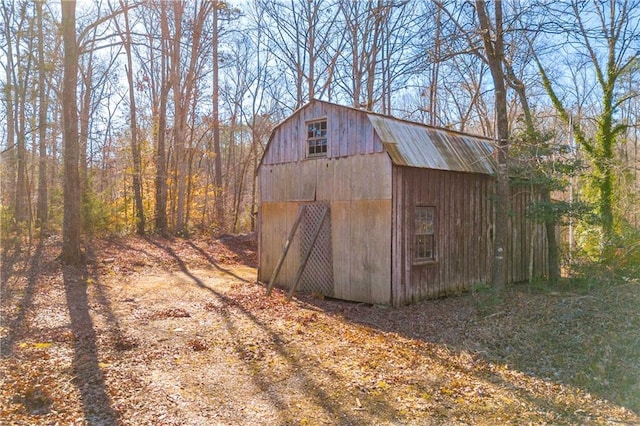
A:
(88, 376)
(16, 326)
(209, 259)
(561, 348)
(9, 256)
(243, 245)
(262, 378)
(120, 340)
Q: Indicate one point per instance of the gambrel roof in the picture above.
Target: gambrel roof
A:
(407, 143)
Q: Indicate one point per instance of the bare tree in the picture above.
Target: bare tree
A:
(535, 142)
(435, 69)
(241, 76)
(159, 100)
(72, 222)
(215, 87)
(492, 34)
(605, 35)
(629, 148)
(42, 212)
(133, 123)
(365, 24)
(303, 36)
(184, 87)
(20, 35)
(257, 115)
(9, 153)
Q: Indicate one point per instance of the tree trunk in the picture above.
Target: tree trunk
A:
(135, 145)
(178, 120)
(254, 182)
(377, 14)
(20, 89)
(71, 227)
(494, 53)
(435, 71)
(231, 170)
(161, 165)
(161, 155)
(312, 11)
(184, 91)
(83, 118)
(219, 196)
(21, 207)
(42, 210)
(10, 101)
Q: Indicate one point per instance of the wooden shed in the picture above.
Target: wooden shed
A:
(380, 210)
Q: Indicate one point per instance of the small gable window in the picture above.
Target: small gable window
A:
(425, 248)
(317, 138)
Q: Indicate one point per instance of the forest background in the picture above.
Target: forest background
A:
(176, 101)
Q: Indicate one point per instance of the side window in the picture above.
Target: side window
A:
(425, 224)
(317, 138)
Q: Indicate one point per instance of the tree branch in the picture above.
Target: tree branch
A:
(577, 129)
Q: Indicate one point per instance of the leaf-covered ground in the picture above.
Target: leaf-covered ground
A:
(178, 332)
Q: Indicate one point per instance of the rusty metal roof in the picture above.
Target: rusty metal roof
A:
(417, 145)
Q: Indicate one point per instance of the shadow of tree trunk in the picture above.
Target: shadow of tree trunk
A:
(17, 326)
(88, 377)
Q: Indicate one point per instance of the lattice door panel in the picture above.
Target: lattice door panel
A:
(318, 273)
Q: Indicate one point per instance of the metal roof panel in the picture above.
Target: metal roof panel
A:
(418, 145)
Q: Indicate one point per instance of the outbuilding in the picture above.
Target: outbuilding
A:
(366, 207)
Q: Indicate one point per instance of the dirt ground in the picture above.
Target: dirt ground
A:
(178, 332)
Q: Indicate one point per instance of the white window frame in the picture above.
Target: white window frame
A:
(317, 143)
(424, 244)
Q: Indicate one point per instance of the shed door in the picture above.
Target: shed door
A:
(318, 273)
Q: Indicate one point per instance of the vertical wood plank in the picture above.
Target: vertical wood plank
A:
(341, 248)
(285, 250)
(370, 245)
(396, 238)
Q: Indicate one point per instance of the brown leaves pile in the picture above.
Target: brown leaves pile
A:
(180, 337)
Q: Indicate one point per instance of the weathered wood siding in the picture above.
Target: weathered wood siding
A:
(358, 189)
(464, 218)
(523, 236)
(349, 132)
(372, 206)
(462, 232)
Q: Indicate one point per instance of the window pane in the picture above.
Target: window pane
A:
(424, 233)
(429, 221)
(317, 138)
